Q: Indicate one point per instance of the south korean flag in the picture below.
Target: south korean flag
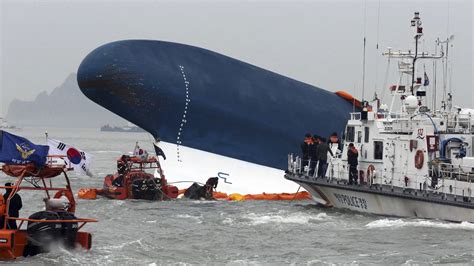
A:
(74, 157)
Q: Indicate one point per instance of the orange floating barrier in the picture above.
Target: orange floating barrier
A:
(87, 193)
(181, 191)
(220, 195)
(303, 195)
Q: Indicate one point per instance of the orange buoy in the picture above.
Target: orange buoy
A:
(87, 193)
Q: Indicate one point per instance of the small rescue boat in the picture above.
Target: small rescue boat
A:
(134, 180)
(57, 223)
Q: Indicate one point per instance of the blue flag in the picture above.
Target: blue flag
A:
(18, 150)
(427, 81)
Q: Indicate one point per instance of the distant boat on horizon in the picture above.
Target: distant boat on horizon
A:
(128, 128)
(4, 124)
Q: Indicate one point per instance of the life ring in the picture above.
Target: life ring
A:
(370, 174)
(69, 196)
(419, 159)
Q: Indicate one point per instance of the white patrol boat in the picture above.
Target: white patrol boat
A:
(415, 162)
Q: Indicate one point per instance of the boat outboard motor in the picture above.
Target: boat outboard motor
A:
(40, 234)
(146, 189)
(195, 191)
(68, 230)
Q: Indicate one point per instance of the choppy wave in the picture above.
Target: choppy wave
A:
(295, 218)
(198, 219)
(383, 223)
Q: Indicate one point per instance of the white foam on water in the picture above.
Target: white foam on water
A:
(384, 223)
(295, 218)
(198, 219)
(228, 221)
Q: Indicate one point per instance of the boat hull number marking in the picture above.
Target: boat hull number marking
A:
(351, 201)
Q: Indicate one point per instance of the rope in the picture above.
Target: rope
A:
(296, 194)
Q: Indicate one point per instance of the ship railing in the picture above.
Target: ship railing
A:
(356, 116)
(459, 174)
(460, 123)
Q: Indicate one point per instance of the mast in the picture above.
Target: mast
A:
(416, 22)
(363, 60)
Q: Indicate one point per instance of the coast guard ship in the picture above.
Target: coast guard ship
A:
(414, 162)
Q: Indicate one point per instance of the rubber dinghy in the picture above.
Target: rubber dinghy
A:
(204, 100)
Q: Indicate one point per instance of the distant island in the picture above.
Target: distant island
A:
(65, 106)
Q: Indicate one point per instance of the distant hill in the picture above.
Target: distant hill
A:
(65, 106)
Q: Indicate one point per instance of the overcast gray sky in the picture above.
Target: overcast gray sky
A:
(318, 42)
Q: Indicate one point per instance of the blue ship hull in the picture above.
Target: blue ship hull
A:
(204, 100)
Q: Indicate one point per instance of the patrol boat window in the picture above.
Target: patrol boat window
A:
(378, 150)
(366, 135)
(350, 134)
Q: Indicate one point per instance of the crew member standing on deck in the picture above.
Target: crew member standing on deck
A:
(313, 155)
(305, 147)
(14, 207)
(322, 151)
(352, 155)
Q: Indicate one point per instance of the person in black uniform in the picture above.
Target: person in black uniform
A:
(322, 152)
(305, 147)
(15, 206)
(352, 155)
(313, 154)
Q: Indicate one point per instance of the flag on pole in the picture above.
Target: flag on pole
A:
(427, 81)
(139, 152)
(159, 151)
(74, 157)
(18, 150)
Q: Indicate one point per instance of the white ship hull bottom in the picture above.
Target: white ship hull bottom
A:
(387, 205)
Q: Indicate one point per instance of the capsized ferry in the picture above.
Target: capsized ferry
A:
(413, 163)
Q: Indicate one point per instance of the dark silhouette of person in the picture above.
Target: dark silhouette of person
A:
(322, 153)
(122, 170)
(306, 146)
(14, 207)
(212, 182)
(352, 155)
(313, 155)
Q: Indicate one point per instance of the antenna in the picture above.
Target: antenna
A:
(416, 23)
(363, 61)
(377, 49)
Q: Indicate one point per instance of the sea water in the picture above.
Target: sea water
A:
(186, 232)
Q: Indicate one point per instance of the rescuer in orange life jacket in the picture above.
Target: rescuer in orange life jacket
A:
(14, 208)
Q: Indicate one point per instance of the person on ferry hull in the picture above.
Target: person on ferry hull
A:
(352, 155)
(322, 152)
